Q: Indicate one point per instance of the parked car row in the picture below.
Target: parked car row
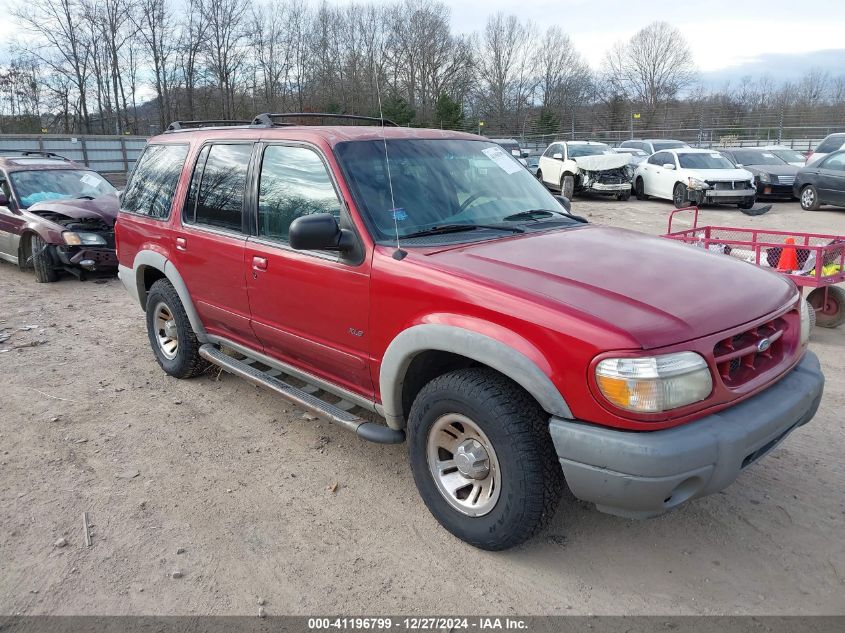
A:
(672, 170)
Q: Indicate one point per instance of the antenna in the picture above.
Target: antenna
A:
(398, 254)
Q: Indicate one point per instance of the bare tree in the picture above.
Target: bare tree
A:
(226, 35)
(652, 67)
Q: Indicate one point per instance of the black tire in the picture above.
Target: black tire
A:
(679, 195)
(540, 176)
(185, 361)
(42, 260)
(809, 198)
(639, 189)
(829, 313)
(625, 195)
(747, 204)
(517, 429)
(567, 186)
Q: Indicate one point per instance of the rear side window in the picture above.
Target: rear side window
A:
(150, 190)
(831, 144)
(216, 195)
(294, 182)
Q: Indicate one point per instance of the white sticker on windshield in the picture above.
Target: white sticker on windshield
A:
(715, 155)
(768, 155)
(90, 179)
(498, 156)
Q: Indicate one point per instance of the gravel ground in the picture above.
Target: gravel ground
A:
(209, 494)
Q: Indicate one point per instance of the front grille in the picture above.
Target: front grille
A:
(613, 176)
(739, 358)
(728, 184)
(785, 180)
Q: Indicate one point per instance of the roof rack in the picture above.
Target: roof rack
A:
(268, 118)
(182, 125)
(27, 152)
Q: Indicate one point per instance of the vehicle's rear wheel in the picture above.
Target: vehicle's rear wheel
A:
(639, 189)
(174, 343)
(567, 186)
(625, 195)
(828, 306)
(679, 195)
(810, 198)
(42, 260)
(483, 459)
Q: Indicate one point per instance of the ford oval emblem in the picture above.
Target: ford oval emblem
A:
(763, 345)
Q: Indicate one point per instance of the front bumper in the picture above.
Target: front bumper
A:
(645, 474)
(720, 196)
(774, 190)
(103, 257)
(600, 187)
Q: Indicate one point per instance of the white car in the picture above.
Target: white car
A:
(585, 166)
(696, 176)
(651, 145)
(831, 143)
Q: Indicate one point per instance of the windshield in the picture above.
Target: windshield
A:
(789, 155)
(659, 146)
(56, 184)
(437, 183)
(749, 157)
(595, 149)
(704, 161)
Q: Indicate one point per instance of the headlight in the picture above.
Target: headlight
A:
(805, 321)
(656, 383)
(696, 184)
(764, 177)
(73, 238)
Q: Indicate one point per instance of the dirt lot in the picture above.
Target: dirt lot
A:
(232, 487)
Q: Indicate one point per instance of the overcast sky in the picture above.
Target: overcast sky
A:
(723, 34)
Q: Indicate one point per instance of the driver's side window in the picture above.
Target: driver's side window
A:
(657, 159)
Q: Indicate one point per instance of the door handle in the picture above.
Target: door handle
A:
(181, 244)
(259, 263)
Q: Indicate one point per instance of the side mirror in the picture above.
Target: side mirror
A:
(668, 165)
(738, 165)
(4, 201)
(319, 232)
(565, 202)
(557, 156)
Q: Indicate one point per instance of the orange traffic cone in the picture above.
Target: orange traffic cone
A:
(788, 256)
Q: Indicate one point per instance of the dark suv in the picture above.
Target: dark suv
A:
(407, 281)
(55, 215)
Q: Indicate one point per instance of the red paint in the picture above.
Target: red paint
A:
(564, 298)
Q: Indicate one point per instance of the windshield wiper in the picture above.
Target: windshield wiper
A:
(531, 214)
(536, 214)
(441, 229)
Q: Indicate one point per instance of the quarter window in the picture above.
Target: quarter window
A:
(294, 182)
(152, 185)
(216, 195)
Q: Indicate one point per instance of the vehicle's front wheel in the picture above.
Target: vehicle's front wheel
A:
(639, 189)
(174, 343)
(679, 195)
(483, 459)
(810, 198)
(540, 176)
(42, 261)
(747, 204)
(625, 195)
(567, 186)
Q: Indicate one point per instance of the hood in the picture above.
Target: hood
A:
(720, 174)
(601, 162)
(659, 291)
(775, 170)
(104, 208)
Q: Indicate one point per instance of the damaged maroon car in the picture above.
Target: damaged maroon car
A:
(55, 215)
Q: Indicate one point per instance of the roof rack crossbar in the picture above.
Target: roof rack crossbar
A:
(32, 152)
(269, 118)
(181, 125)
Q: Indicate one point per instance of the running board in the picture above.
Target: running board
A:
(365, 429)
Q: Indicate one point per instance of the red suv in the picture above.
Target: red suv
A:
(426, 276)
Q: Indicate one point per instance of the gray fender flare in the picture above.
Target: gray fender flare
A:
(478, 347)
(158, 261)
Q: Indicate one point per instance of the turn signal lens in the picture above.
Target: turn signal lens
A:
(656, 383)
(71, 238)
